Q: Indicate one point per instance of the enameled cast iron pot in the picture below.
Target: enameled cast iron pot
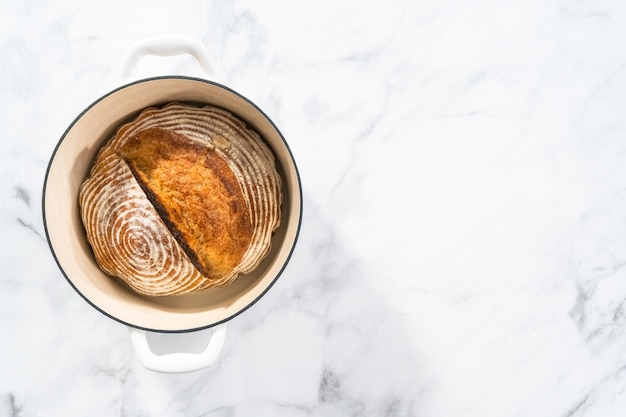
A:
(69, 165)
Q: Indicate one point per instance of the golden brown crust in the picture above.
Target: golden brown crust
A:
(195, 193)
(181, 199)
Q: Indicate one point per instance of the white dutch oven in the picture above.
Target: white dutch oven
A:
(70, 163)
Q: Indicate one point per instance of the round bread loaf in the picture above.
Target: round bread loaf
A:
(181, 199)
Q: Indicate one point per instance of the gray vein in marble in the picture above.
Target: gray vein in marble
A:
(231, 410)
(587, 400)
(598, 321)
(13, 408)
(30, 227)
(330, 387)
(577, 312)
(333, 396)
(579, 406)
(119, 374)
(619, 311)
(22, 194)
(223, 410)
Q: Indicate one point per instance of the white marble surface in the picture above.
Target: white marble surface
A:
(463, 246)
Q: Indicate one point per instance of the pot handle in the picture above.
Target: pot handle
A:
(167, 46)
(172, 362)
(177, 362)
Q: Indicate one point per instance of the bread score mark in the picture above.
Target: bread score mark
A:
(195, 193)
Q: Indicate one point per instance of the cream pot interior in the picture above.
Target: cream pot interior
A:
(70, 164)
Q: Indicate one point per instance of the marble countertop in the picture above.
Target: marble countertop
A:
(463, 245)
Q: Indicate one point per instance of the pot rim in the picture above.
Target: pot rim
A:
(151, 79)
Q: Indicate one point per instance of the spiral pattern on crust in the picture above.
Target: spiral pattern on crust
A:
(128, 237)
